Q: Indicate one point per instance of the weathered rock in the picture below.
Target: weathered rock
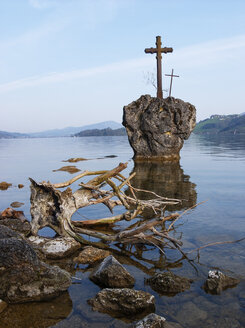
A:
(123, 301)
(23, 277)
(157, 127)
(90, 255)
(167, 283)
(152, 320)
(218, 281)
(60, 247)
(110, 273)
(20, 185)
(3, 306)
(15, 220)
(6, 232)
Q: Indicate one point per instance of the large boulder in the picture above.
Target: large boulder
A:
(23, 277)
(157, 127)
(110, 273)
(123, 302)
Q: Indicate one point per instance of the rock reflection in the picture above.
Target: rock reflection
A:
(37, 314)
(167, 180)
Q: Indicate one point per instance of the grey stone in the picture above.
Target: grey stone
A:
(167, 283)
(60, 247)
(6, 232)
(123, 302)
(157, 127)
(23, 277)
(228, 323)
(218, 281)
(152, 320)
(110, 273)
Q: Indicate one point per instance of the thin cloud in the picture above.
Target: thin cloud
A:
(195, 55)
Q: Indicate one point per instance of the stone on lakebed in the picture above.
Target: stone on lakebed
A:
(110, 273)
(122, 302)
(90, 255)
(218, 281)
(168, 283)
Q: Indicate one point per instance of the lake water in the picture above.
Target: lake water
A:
(211, 169)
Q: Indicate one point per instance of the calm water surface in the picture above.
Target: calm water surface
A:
(210, 169)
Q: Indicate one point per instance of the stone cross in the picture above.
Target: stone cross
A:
(171, 81)
(158, 50)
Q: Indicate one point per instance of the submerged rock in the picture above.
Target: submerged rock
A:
(70, 168)
(16, 204)
(157, 127)
(5, 185)
(90, 255)
(75, 160)
(190, 315)
(123, 301)
(110, 273)
(167, 283)
(218, 281)
(23, 277)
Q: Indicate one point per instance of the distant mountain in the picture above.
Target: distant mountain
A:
(222, 124)
(102, 132)
(12, 135)
(66, 132)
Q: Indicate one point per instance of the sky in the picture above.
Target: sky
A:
(77, 62)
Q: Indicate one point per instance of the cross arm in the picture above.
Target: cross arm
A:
(150, 50)
(166, 50)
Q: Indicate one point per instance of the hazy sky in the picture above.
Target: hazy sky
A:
(76, 62)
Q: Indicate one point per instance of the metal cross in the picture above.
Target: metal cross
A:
(158, 50)
(171, 81)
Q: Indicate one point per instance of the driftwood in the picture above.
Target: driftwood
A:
(54, 208)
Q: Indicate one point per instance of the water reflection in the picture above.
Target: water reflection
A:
(37, 314)
(167, 180)
(222, 145)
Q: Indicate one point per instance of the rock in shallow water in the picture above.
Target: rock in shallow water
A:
(15, 220)
(90, 255)
(167, 283)
(123, 301)
(110, 273)
(151, 321)
(157, 127)
(23, 277)
(60, 247)
(218, 281)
